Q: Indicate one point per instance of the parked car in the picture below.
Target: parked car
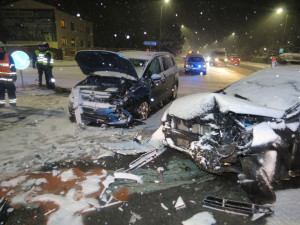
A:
(250, 128)
(194, 63)
(122, 86)
(234, 60)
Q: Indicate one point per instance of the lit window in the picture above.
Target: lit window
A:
(72, 42)
(64, 41)
(62, 23)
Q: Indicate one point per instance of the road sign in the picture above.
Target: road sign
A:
(150, 43)
(21, 60)
(281, 50)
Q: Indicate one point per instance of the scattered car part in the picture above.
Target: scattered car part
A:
(179, 204)
(237, 208)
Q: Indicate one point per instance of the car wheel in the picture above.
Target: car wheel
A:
(142, 111)
(174, 92)
(204, 73)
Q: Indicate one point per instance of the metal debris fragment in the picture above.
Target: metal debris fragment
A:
(145, 158)
(237, 208)
(129, 176)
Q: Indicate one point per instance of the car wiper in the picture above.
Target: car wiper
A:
(239, 96)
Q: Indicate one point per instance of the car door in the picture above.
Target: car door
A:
(156, 81)
(169, 72)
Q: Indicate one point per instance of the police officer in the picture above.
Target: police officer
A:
(8, 76)
(43, 61)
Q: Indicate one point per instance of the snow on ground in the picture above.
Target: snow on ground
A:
(203, 218)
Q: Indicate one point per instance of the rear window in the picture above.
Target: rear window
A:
(196, 59)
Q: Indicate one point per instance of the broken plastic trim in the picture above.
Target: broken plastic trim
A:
(237, 208)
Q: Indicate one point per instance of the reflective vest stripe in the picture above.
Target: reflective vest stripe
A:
(13, 100)
(4, 73)
(40, 56)
(4, 65)
(45, 62)
(6, 79)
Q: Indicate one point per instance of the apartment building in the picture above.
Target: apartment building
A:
(28, 22)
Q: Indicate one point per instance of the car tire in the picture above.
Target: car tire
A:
(142, 110)
(204, 73)
(174, 92)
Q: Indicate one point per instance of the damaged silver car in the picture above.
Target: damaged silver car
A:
(121, 87)
(250, 128)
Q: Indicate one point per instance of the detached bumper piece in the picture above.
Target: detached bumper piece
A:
(238, 208)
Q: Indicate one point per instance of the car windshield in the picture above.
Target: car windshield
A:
(196, 59)
(139, 65)
(220, 53)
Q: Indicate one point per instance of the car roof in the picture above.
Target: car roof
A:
(277, 88)
(133, 54)
(194, 55)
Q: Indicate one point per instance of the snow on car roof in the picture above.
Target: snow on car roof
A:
(202, 104)
(277, 88)
(141, 54)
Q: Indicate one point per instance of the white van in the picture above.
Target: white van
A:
(218, 57)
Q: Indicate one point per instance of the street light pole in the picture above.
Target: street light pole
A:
(161, 8)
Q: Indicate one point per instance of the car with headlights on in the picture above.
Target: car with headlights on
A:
(251, 128)
(121, 87)
(195, 63)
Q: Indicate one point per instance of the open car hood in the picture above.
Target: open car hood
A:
(94, 61)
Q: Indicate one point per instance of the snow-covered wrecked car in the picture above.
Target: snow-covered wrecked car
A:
(250, 127)
(122, 86)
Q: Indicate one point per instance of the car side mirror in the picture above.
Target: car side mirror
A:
(155, 77)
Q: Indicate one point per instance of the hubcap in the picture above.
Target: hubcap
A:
(143, 110)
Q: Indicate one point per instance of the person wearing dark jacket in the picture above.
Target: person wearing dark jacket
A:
(8, 76)
(43, 61)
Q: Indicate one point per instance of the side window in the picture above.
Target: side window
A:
(167, 62)
(154, 67)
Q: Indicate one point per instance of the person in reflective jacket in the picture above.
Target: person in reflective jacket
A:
(8, 76)
(43, 61)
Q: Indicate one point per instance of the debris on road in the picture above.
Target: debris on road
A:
(180, 203)
(237, 208)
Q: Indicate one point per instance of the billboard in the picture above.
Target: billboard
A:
(29, 24)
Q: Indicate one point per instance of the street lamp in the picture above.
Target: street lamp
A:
(279, 11)
(161, 6)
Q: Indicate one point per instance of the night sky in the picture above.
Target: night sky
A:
(126, 24)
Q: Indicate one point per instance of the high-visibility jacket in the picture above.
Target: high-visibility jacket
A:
(46, 56)
(40, 57)
(6, 72)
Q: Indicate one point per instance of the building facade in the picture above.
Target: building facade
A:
(28, 22)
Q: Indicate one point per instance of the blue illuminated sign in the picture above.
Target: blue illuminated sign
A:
(21, 60)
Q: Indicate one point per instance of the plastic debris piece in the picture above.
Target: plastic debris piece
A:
(129, 176)
(164, 207)
(180, 203)
(238, 208)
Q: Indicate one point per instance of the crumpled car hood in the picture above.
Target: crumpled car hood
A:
(201, 104)
(91, 61)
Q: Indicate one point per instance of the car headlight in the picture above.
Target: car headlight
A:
(225, 60)
(217, 59)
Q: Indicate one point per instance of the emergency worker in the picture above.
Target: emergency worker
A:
(43, 60)
(8, 76)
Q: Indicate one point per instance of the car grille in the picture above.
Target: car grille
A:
(90, 114)
(190, 127)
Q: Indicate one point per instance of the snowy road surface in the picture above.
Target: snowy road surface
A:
(52, 170)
